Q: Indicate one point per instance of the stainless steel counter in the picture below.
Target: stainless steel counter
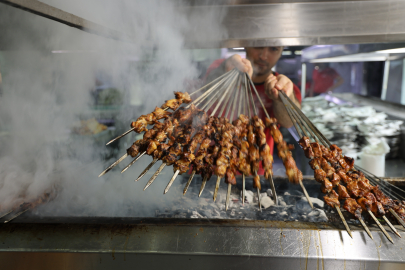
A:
(104, 243)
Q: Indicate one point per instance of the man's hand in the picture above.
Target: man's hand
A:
(242, 64)
(273, 84)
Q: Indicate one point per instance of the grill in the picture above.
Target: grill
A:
(105, 242)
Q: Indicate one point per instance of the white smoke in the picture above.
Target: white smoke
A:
(45, 93)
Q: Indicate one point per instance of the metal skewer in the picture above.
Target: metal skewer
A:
(216, 187)
(344, 221)
(299, 115)
(205, 86)
(5, 214)
(147, 169)
(227, 196)
(294, 118)
(211, 90)
(380, 226)
(391, 226)
(397, 217)
(258, 199)
(128, 131)
(17, 215)
(155, 175)
(365, 227)
(171, 181)
(120, 136)
(189, 182)
(113, 165)
(306, 194)
(133, 161)
(202, 186)
(243, 189)
(273, 189)
(270, 179)
(255, 113)
(299, 133)
(215, 80)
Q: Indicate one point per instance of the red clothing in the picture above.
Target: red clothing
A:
(323, 79)
(266, 101)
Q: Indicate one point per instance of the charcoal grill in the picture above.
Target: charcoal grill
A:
(35, 242)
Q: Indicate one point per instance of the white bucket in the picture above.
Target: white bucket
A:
(372, 163)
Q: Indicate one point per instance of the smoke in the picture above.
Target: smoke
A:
(45, 94)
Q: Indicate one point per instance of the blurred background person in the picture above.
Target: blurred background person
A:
(324, 79)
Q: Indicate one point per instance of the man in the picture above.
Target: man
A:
(258, 64)
(324, 79)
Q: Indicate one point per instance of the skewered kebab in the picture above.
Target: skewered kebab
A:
(143, 121)
(161, 132)
(289, 105)
(339, 161)
(357, 186)
(293, 173)
(327, 176)
(198, 162)
(253, 158)
(153, 145)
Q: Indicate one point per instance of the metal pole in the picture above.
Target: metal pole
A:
(385, 79)
(403, 83)
(303, 79)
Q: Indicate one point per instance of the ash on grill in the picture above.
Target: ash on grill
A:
(293, 206)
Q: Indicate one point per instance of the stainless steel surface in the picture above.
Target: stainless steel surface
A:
(55, 14)
(266, 22)
(306, 23)
(284, 245)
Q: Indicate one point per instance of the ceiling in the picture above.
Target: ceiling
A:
(264, 22)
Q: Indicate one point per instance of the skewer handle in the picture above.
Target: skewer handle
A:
(228, 194)
(189, 182)
(113, 165)
(171, 181)
(258, 199)
(306, 194)
(397, 217)
(366, 228)
(344, 221)
(216, 188)
(273, 189)
(391, 226)
(154, 176)
(202, 186)
(380, 226)
(243, 189)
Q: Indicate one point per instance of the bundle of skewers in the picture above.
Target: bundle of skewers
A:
(358, 190)
(219, 133)
(226, 141)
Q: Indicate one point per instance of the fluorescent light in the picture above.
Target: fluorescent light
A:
(286, 53)
(397, 50)
(297, 52)
(359, 57)
(238, 49)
